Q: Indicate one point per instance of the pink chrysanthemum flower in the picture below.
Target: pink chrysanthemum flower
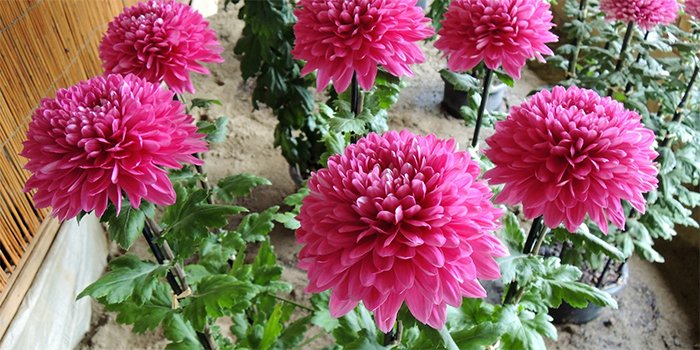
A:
(160, 41)
(340, 37)
(568, 153)
(104, 137)
(397, 218)
(647, 14)
(692, 7)
(499, 32)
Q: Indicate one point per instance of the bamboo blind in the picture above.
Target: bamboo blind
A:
(44, 45)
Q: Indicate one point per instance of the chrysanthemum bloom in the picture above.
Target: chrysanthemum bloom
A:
(104, 137)
(397, 218)
(647, 14)
(340, 37)
(160, 41)
(692, 7)
(568, 153)
(499, 32)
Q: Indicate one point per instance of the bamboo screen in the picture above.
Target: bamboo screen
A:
(44, 45)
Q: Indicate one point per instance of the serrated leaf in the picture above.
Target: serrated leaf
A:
(583, 238)
(130, 277)
(255, 227)
(265, 268)
(188, 220)
(216, 132)
(347, 125)
(272, 329)
(365, 341)
(559, 283)
(217, 296)
(461, 82)
(513, 235)
(204, 102)
(147, 316)
(294, 333)
(323, 318)
(288, 219)
(520, 267)
(524, 329)
(237, 185)
(181, 333)
(126, 227)
(479, 336)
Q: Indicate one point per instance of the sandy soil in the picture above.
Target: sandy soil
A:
(658, 310)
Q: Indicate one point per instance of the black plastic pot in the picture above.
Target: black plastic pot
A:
(453, 100)
(567, 314)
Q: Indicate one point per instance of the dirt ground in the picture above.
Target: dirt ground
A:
(658, 309)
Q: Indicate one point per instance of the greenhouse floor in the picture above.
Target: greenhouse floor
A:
(658, 309)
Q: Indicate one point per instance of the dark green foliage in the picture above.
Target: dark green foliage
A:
(127, 226)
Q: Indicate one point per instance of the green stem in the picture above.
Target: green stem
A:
(292, 302)
(583, 9)
(302, 345)
(623, 49)
(681, 106)
(482, 106)
(447, 338)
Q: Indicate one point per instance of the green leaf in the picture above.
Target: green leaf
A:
(347, 125)
(288, 219)
(513, 235)
(323, 318)
(147, 316)
(128, 225)
(583, 238)
(461, 82)
(559, 283)
(524, 329)
(130, 277)
(479, 336)
(294, 333)
(667, 160)
(255, 227)
(272, 329)
(188, 220)
(265, 268)
(365, 341)
(237, 185)
(216, 296)
(504, 78)
(217, 132)
(520, 267)
(204, 102)
(181, 333)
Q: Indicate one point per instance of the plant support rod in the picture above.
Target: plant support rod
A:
(623, 49)
(681, 106)
(482, 106)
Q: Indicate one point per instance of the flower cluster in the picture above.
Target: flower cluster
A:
(106, 137)
(568, 153)
(692, 7)
(647, 14)
(397, 218)
(343, 37)
(499, 32)
(160, 41)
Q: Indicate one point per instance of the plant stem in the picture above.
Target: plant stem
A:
(292, 302)
(447, 338)
(355, 107)
(150, 233)
(625, 43)
(482, 106)
(535, 236)
(639, 57)
(583, 9)
(603, 273)
(540, 239)
(302, 345)
(681, 106)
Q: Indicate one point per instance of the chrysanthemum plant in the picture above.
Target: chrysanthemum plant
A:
(480, 36)
(651, 66)
(266, 55)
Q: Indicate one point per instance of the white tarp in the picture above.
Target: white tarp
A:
(49, 316)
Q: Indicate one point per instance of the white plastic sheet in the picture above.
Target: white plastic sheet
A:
(49, 316)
